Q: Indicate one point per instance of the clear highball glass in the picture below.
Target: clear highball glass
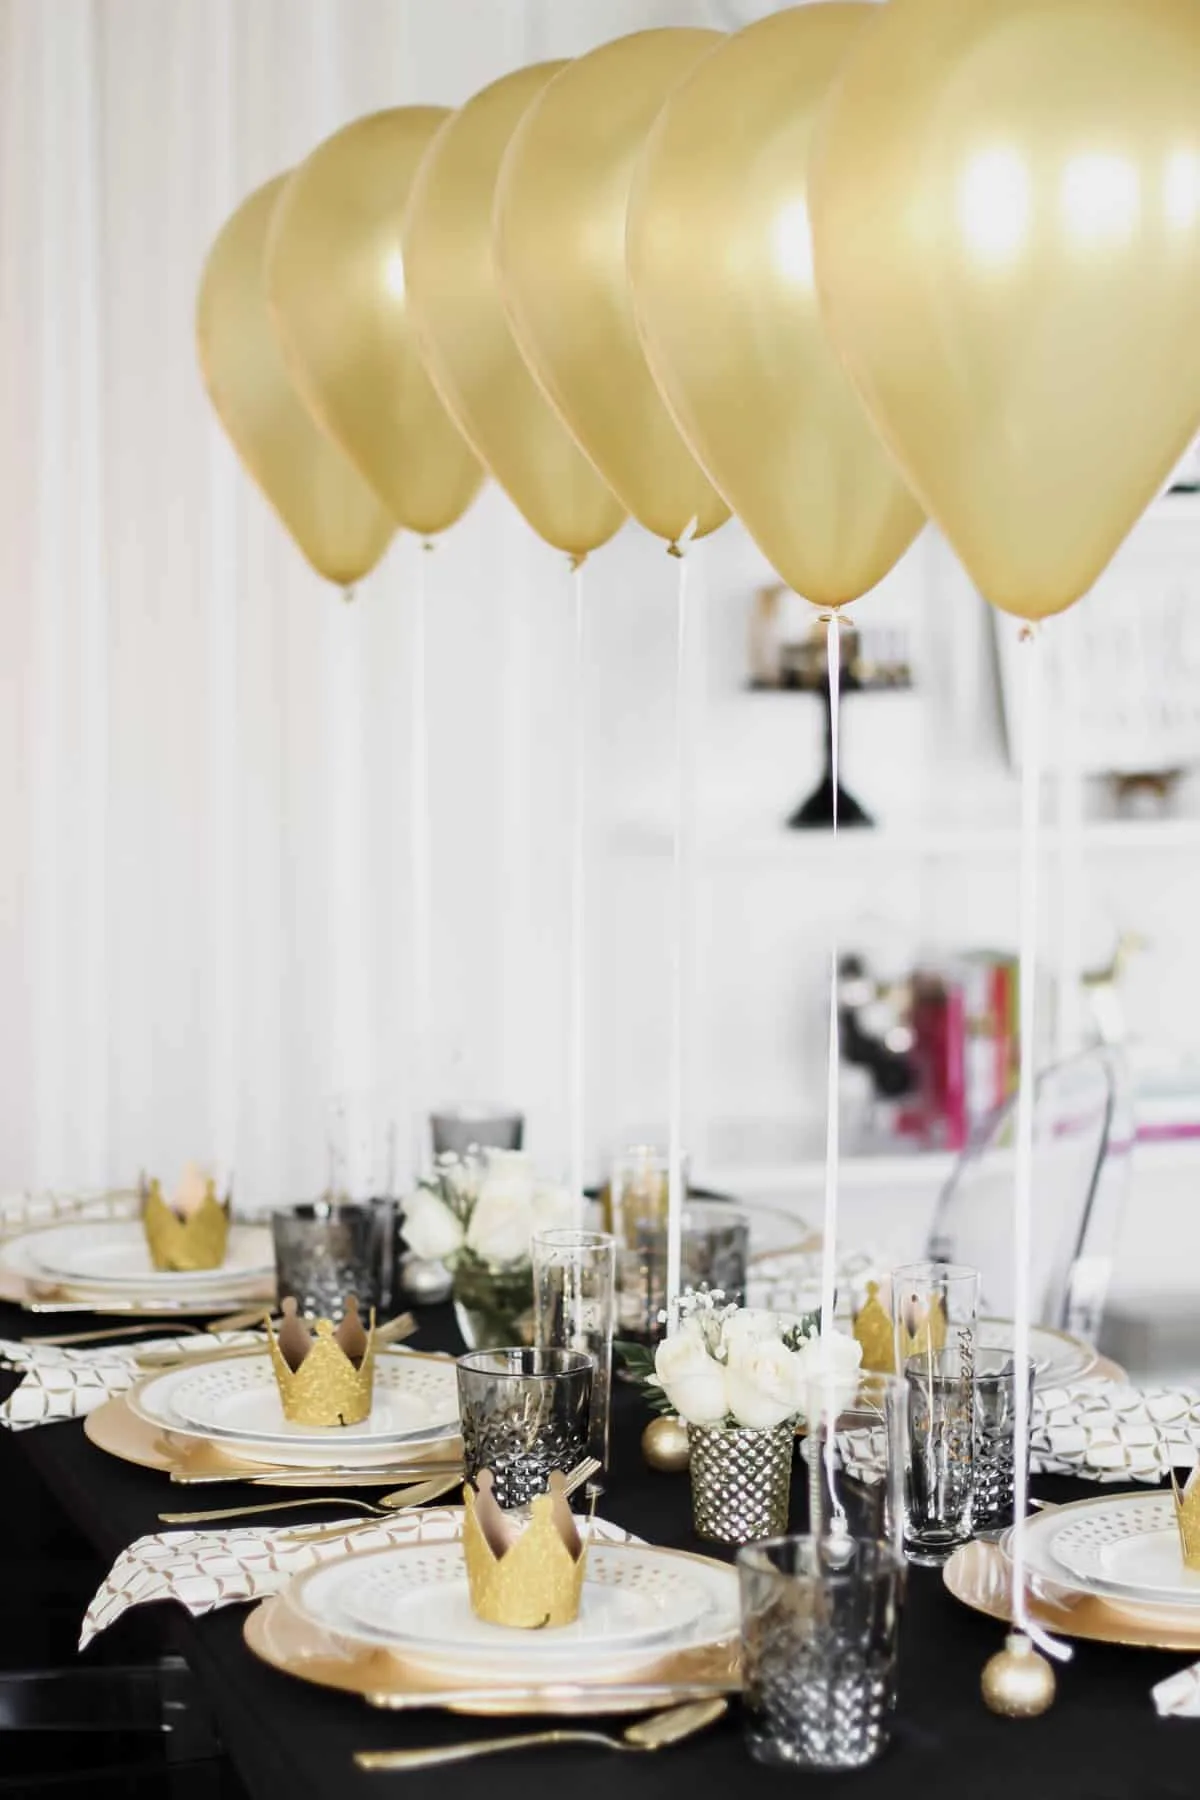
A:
(941, 1436)
(854, 1449)
(574, 1303)
(820, 1621)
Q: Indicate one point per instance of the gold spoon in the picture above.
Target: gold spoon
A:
(655, 1733)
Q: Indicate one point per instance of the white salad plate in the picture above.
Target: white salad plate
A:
(235, 1400)
(1129, 1544)
(115, 1254)
(638, 1603)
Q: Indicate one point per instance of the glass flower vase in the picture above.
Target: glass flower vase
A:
(493, 1305)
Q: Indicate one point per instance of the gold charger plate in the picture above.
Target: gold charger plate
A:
(285, 1640)
(117, 1430)
(978, 1575)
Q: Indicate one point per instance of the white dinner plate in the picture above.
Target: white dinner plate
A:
(1130, 1544)
(116, 1254)
(1058, 1585)
(21, 1276)
(235, 1401)
(637, 1602)
(1058, 1357)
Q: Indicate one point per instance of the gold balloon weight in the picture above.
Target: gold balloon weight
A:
(1018, 1682)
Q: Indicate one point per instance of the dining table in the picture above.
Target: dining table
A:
(1101, 1740)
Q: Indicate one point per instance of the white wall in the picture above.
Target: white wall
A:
(204, 904)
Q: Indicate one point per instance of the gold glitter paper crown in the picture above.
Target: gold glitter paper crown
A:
(326, 1379)
(1187, 1517)
(184, 1240)
(527, 1577)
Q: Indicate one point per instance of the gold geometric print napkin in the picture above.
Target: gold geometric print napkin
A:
(67, 1384)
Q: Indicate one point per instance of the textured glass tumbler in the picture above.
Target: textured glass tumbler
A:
(741, 1480)
(995, 1439)
(524, 1413)
(820, 1621)
(574, 1303)
(941, 1439)
(714, 1252)
(324, 1252)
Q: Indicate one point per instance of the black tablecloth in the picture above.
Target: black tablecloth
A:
(1101, 1741)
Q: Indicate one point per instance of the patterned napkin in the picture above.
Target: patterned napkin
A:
(1105, 1431)
(66, 1384)
(207, 1569)
(1178, 1697)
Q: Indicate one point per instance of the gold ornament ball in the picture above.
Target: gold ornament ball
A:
(665, 1445)
(1018, 1682)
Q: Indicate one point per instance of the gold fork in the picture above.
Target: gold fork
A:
(655, 1733)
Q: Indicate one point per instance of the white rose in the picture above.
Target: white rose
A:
(692, 1380)
(502, 1222)
(431, 1228)
(508, 1163)
(827, 1373)
(552, 1207)
(750, 1323)
(760, 1382)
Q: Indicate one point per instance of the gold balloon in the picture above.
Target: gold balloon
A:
(722, 280)
(560, 218)
(334, 517)
(336, 289)
(466, 341)
(1006, 224)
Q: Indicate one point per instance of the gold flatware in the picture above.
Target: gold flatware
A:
(416, 1495)
(62, 1340)
(315, 1534)
(561, 1693)
(379, 1509)
(655, 1733)
(206, 1464)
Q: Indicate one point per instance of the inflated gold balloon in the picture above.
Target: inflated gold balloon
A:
(465, 338)
(722, 279)
(334, 517)
(560, 217)
(1006, 224)
(336, 289)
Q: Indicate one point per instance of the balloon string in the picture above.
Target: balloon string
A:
(833, 656)
(1031, 781)
(681, 875)
(578, 982)
(421, 859)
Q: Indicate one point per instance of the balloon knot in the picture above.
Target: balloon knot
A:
(675, 550)
(1027, 633)
(428, 544)
(349, 593)
(577, 562)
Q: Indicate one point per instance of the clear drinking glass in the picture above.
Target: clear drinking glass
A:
(714, 1252)
(524, 1413)
(855, 1447)
(456, 1130)
(928, 1297)
(638, 1184)
(941, 1437)
(360, 1146)
(326, 1251)
(995, 1439)
(820, 1621)
(573, 1297)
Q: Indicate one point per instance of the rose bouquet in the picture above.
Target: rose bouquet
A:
(476, 1214)
(742, 1366)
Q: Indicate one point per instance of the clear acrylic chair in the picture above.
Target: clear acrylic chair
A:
(1077, 1196)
